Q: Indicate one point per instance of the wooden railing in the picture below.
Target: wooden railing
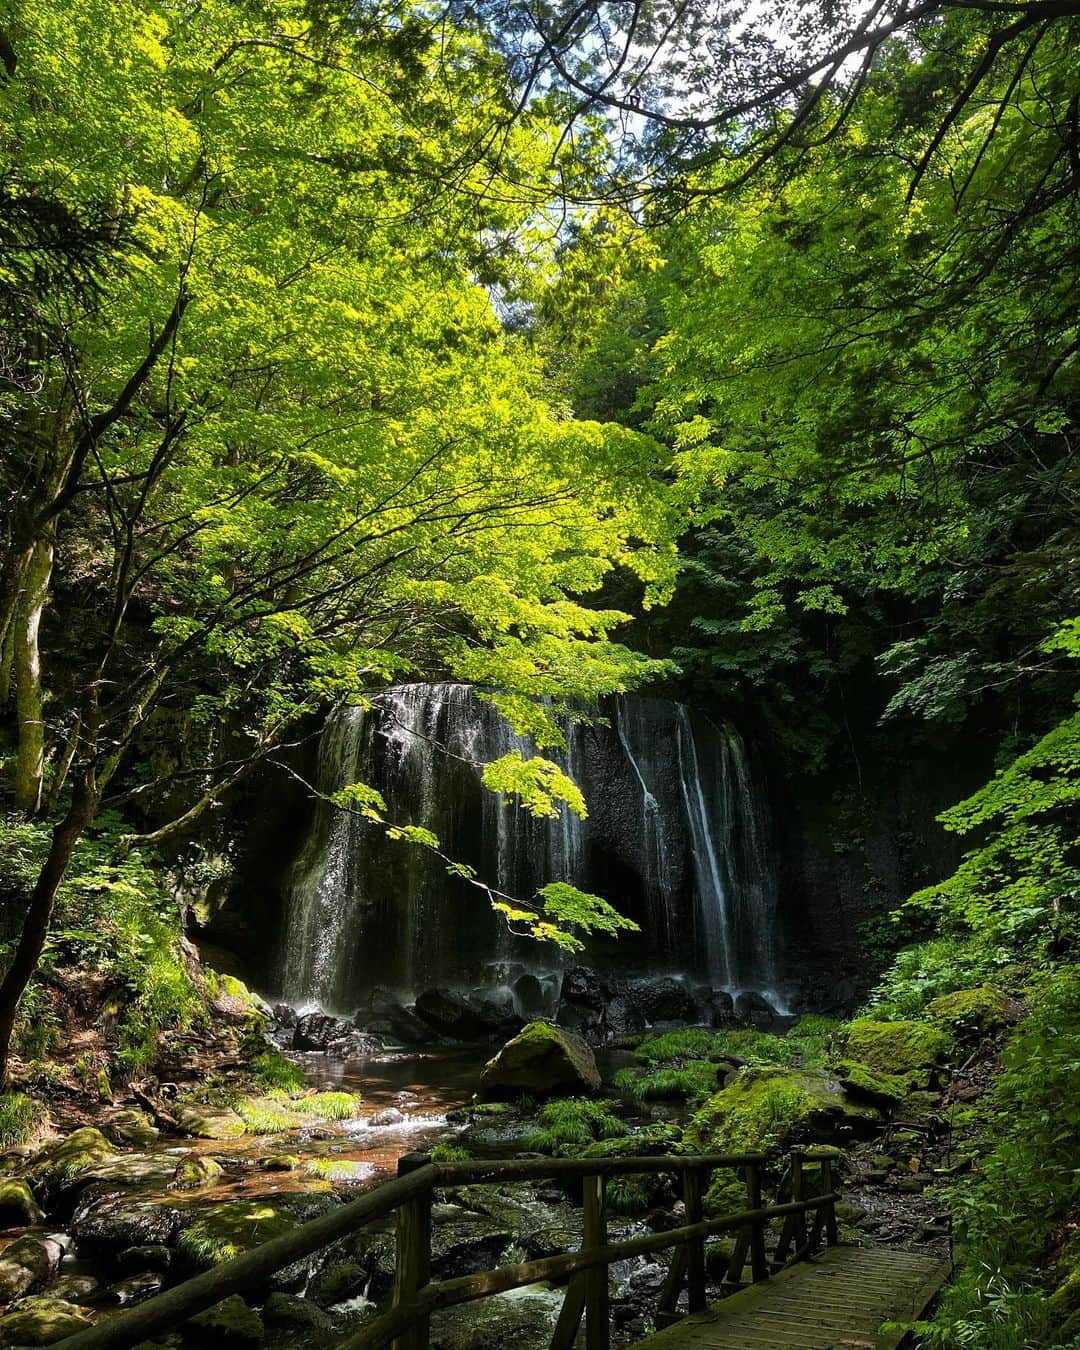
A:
(416, 1296)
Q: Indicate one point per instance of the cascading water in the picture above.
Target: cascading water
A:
(677, 838)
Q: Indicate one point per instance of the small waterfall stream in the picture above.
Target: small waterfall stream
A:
(677, 838)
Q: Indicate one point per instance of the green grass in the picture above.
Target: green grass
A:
(328, 1105)
(691, 1081)
(19, 1114)
(267, 1115)
(337, 1169)
(672, 1047)
(570, 1123)
(274, 1073)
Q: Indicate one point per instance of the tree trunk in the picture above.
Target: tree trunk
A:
(39, 913)
(30, 759)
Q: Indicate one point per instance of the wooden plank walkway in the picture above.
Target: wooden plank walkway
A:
(835, 1301)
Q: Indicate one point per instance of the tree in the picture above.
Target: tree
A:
(289, 454)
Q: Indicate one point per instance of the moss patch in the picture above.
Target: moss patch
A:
(61, 1162)
(905, 1048)
(209, 1122)
(220, 1232)
(883, 1089)
(230, 1322)
(41, 1321)
(970, 1012)
(767, 1107)
(328, 1105)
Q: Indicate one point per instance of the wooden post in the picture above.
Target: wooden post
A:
(566, 1328)
(693, 1198)
(413, 1267)
(597, 1329)
(831, 1236)
(798, 1192)
(759, 1264)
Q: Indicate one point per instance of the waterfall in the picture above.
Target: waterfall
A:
(677, 838)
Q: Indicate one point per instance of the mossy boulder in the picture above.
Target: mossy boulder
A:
(922, 1108)
(42, 1321)
(219, 1232)
(57, 1165)
(906, 1049)
(209, 1122)
(230, 1322)
(27, 1264)
(865, 1084)
(295, 1314)
(542, 1060)
(970, 1012)
(339, 1283)
(280, 1162)
(132, 1127)
(196, 1171)
(107, 1223)
(770, 1106)
(17, 1204)
(345, 1170)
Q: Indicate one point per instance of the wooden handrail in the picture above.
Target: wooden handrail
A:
(467, 1288)
(249, 1271)
(416, 1297)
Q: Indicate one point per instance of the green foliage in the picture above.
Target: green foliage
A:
(267, 1115)
(567, 1124)
(931, 969)
(18, 1116)
(1026, 1186)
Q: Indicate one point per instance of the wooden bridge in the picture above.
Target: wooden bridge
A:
(787, 1284)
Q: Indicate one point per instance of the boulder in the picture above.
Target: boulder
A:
(755, 1010)
(59, 1166)
(333, 1036)
(196, 1171)
(768, 1107)
(543, 1060)
(624, 1017)
(41, 1321)
(135, 1288)
(230, 1322)
(17, 1204)
(131, 1171)
(910, 1049)
(284, 1015)
(133, 1128)
(216, 1233)
(863, 1084)
(451, 1014)
(585, 987)
(153, 1256)
(105, 1223)
(27, 1264)
(296, 1314)
(208, 1122)
(517, 1321)
(662, 998)
(970, 1013)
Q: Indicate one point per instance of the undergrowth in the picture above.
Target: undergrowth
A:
(569, 1122)
(19, 1114)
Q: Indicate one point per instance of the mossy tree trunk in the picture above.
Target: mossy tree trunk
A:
(26, 666)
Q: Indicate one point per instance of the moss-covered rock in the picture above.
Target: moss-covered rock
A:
(133, 1128)
(296, 1314)
(339, 1283)
(17, 1204)
(542, 1060)
(59, 1164)
(280, 1162)
(230, 1322)
(770, 1106)
(865, 1084)
(209, 1122)
(911, 1049)
(196, 1171)
(339, 1169)
(27, 1264)
(219, 1232)
(970, 1012)
(922, 1108)
(42, 1321)
(106, 1223)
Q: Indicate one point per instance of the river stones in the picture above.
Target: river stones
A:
(543, 1060)
(132, 1127)
(18, 1207)
(41, 1321)
(27, 1264)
